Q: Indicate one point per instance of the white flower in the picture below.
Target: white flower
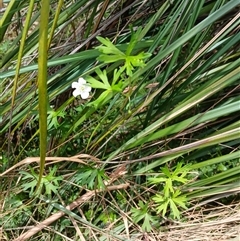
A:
(82, 88)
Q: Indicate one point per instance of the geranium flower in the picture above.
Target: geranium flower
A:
(82, 88)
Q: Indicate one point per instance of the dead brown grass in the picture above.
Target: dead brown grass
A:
(220, 223)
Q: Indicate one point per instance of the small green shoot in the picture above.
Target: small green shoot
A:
(173, 200)
(171, 197)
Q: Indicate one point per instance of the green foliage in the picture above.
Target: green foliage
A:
(20, 213)
(114, 86)
(91, 177)
(50, 183)
(164, 80)
(53, 118)
(111, 54)
(110, 89)
(142, 214)
(105, 217)
(4, 47)
(172, 201)
(64, 224)
(210, 170)
(172, 196)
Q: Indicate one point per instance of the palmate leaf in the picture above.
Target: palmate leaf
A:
(171, 202)
(166, 171)
(179, 199)
(32, 184)
(180, 179)
(96, 84)
(142, 213)
(135, 61)
(103, 76)
(148, 219)
(181, 170)
(109, 48)
(116, 84)
(174, 209)
(178, 174)
(162, 203)
(137, 214)
(50, 182)
(29, 185)
(118, 87)
(49, 186)
(112, 54)
(128, 66)
(91, 177)
(53, 117)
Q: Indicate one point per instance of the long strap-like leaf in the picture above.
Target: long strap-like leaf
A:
(42, 84)
(19, 61)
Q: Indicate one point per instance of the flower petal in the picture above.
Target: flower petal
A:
(87, 88)
(84, 95)
(76, 92)
(82, 81)
(75, 84)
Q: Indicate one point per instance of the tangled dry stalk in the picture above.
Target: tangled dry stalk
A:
(207, 224)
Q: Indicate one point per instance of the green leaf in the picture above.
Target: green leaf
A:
(96, 84)
(180, 200)
(91, 177)
(50, 183)
(166, 171)
(141, 213)
(103, 76)
(168, 187)
(30, 185)
(146, 226)
(109, 48)
(157, 180)
(52, 119)
(111, 54)
(49, 187)
(162, 204)
(117, 87)
(116, 75)
(174, 209)
(102, 99)
(133, 40)
(42, 85)
(110, 58)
